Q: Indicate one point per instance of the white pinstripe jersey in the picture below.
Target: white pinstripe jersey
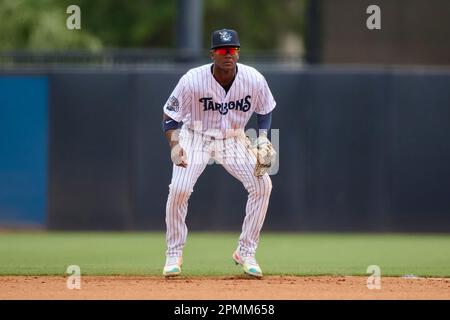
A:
(202, 104)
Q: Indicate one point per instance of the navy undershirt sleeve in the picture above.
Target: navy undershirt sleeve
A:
(264, 121)
(170, 124)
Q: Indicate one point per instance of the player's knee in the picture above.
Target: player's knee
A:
(180, 192)
(267, 185)
(262, 186)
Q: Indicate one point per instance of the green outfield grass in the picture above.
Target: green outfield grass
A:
(42, 253)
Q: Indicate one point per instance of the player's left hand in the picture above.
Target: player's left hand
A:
(265, 155)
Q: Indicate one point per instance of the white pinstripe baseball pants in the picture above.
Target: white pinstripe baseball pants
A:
(239, 161)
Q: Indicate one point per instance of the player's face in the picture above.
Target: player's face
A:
(225, 57)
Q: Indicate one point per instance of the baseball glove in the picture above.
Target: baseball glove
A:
(265, 156)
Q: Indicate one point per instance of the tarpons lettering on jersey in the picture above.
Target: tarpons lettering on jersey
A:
(243, 105)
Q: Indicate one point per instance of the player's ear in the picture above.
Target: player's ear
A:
(211, 54)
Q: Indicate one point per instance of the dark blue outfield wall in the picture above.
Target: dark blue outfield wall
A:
(360, 150)
(23, 150)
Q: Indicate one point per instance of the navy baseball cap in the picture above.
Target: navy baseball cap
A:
(224, 38)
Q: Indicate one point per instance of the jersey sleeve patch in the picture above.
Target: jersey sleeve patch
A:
(173, 104)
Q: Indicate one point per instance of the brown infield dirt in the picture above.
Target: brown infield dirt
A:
(222, 288)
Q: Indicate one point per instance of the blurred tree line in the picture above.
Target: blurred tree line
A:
(41, 24)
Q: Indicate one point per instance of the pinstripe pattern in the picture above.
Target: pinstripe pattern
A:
(217, 132)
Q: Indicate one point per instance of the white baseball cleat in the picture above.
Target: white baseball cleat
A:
(173, 266)
(249, 264)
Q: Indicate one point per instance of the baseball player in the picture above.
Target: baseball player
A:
(204, 119)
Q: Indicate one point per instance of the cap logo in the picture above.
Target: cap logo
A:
(225, 36)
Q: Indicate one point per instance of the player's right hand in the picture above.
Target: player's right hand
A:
(178, 156)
